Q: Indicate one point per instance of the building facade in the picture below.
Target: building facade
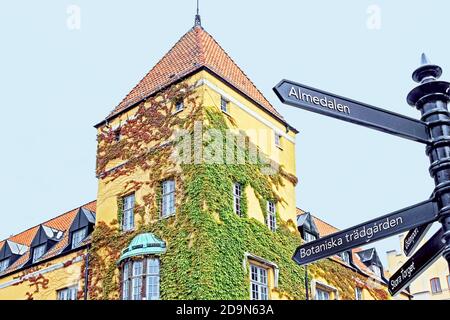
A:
(196, 200)
(432, 284)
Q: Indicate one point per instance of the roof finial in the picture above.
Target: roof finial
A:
(198, 21)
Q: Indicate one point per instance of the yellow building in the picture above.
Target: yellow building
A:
(47, 262)
(196, 200)
(432, 284)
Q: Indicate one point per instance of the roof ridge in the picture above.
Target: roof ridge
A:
(43, 223)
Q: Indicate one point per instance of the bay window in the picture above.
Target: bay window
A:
(140, 279)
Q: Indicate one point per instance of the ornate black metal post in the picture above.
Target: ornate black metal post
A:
(431, 98)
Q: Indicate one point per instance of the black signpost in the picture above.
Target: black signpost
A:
(430, 97)
(413, 238)
(373, 230)
(417, 264)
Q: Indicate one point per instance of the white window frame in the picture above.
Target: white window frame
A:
(358, 293)
(152, 280)
(345, 256)
(278, 140)
(135, 280)
(76, 238)
(128, 212)
(271, 216)
(321, 294)
(309, 236)
(224, 104)
(376, 270)
(39, 251)
(137, 274)
(438, 286)
(168, 198)
(237, 198)
(4, 264)
(259, 282)
(69, 293)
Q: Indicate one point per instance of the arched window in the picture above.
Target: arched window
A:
(140, 279)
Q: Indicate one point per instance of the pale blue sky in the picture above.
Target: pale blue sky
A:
(57, 83)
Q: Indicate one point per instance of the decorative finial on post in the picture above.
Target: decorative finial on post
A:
(427, 71)
(198, 20)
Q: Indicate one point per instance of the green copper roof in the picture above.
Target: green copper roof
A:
(143, 244)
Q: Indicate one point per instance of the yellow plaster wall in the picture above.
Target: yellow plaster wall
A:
(67, 276)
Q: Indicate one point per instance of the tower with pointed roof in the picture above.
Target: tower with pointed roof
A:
(142, 187)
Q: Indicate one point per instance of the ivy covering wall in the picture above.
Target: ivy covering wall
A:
(206, 241)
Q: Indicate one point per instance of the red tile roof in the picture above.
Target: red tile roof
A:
(195, 50)
(61, 222)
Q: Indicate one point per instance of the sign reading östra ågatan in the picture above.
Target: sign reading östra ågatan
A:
(417, 264)
(413, 238)
(304, 97)
(373, 230)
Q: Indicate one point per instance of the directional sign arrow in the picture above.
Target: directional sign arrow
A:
(418, 263)
(373, 230)
(414, 237)
(304, 97)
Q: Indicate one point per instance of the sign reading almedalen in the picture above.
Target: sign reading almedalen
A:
(323, 101)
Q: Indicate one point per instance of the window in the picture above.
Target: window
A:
(271, 216)
(38, 252)
(448, 281)
(78, 236)
(259, 288)
(435, 286)
(140, 279)
(237, 196)
(358, 293)
(309, 236)
(179, 105)
(136, 280)
(224, 104)
(168, 198)
(4, 264)
(376, 269)
(117, 135)
(322, 294)
(68, 293)
(345, 256)
(128, 212)
(152, 279)
(278, 139)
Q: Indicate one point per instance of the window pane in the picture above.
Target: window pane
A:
(153, 279)
(271, 216)
(436, 285)
(258, 283)
(136, 281)
(38, 252)
(78, 236)
(237, 194)
(168, 198)
(224, 105)
(126, 281)
(4, 265)
(128, 213)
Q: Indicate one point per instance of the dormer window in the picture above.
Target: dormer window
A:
(4, 264)
(345, 256)
(376, 269)
(38, 252)
(309, 236)
(78, 236)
